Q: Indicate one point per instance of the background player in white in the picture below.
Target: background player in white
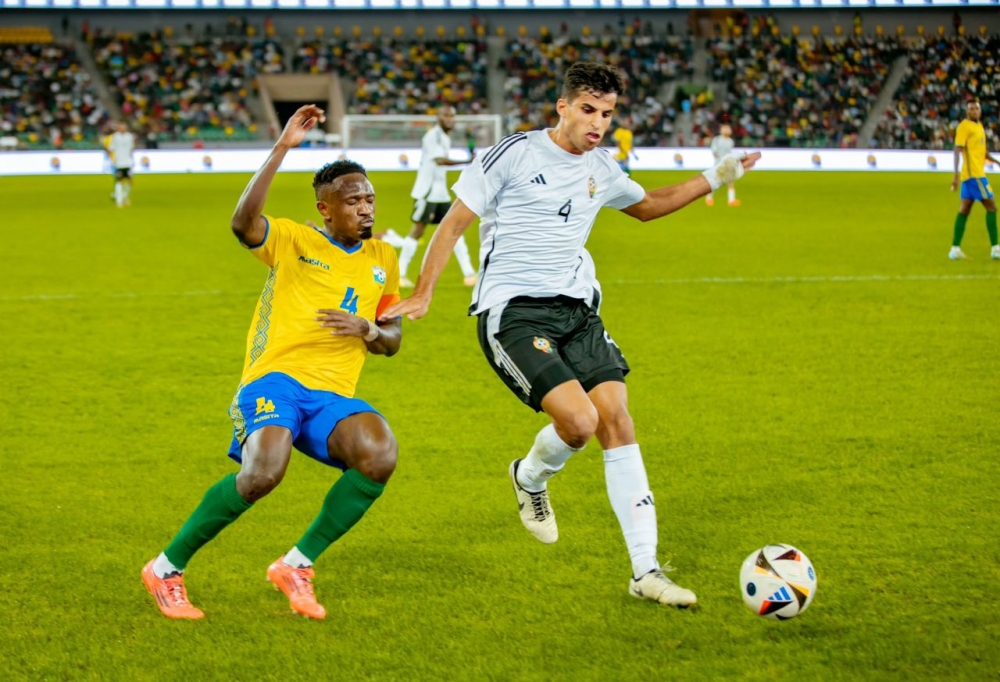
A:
(120, 148)
(723, 144)
(431, 197)
(537, 196)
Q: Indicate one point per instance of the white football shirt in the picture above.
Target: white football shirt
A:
(536, 204)
(432, 179)
(121, 147)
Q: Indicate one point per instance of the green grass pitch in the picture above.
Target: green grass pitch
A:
(808, 368)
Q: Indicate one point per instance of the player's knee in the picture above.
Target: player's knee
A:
(376, 458)
(418, 230)
(576, 429)
(255, 482)
(617, 426)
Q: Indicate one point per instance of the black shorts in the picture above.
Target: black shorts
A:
(429, 213)
(539, 343)
(123, 173)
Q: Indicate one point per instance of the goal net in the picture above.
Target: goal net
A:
(405, 132)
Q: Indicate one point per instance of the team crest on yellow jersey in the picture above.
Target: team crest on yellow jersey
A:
(592, 186)
(543, 344)
(379, 274)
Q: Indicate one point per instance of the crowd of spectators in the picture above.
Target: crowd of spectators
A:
(778, 88)
(46, 97)
(187, 87)
(394, 76)
(783, 90)
(534, 68)
(942, 75)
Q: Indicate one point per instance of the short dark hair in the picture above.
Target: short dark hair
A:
(331, 171)
(592, 77)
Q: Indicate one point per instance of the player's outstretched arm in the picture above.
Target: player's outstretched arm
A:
(382, 338)
(665, 200)
(455, 222)
(248, 224)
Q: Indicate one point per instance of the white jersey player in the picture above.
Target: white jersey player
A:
(536, 196)
(431, 199)
(121, 144)
(723, 144)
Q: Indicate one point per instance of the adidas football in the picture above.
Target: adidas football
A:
(778, 582)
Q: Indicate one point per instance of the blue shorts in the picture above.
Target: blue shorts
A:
(277, 399)
(977, 189)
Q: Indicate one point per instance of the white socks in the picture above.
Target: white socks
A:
(296, 559)
(628, 490)
(547, 456)
(162, 566)
(406, 254)
(462, 255)
(119, 192)
(732, 194)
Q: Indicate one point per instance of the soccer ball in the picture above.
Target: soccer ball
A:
(778, 582)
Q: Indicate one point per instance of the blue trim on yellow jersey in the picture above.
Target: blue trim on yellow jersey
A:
(267, 231)
(353, 249)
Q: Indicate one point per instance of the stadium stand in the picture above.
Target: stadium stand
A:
(782, 90)
(47, 100)
(188, 88)
(394, 76)
(534, 68)
(943, 74)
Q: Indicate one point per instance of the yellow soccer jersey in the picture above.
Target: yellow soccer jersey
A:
(623, 138)
(972, 136)
(309, 271)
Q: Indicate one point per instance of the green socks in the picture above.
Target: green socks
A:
(221, 506)
(345, 504)
(991, 226)
(960, 221)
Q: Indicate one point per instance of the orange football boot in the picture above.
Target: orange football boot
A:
(170, 594)
(296, 583)
(735, 202)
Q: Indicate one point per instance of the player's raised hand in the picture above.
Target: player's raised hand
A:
(300, 123)
(414, 308)
(749, 160)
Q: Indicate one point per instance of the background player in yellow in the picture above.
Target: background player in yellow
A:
(623, 138)
(970, 170)
(313, 327)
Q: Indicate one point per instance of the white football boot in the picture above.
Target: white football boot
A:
(536, 513)
(655, 586)
(957, 254)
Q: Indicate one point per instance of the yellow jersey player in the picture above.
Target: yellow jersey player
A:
(970, 163)
(623, 138)
(314, 325)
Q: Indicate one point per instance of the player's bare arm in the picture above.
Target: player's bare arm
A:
(959, 154)
(382, 338)
(444, 161)
(665, 200)
(455, 223)
(248, 222)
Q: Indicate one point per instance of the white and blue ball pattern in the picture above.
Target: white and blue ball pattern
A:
(778, 582)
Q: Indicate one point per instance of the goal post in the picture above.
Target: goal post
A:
(405, 132)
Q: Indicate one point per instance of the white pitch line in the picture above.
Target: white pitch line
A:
(624, 282)
(807, 279)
